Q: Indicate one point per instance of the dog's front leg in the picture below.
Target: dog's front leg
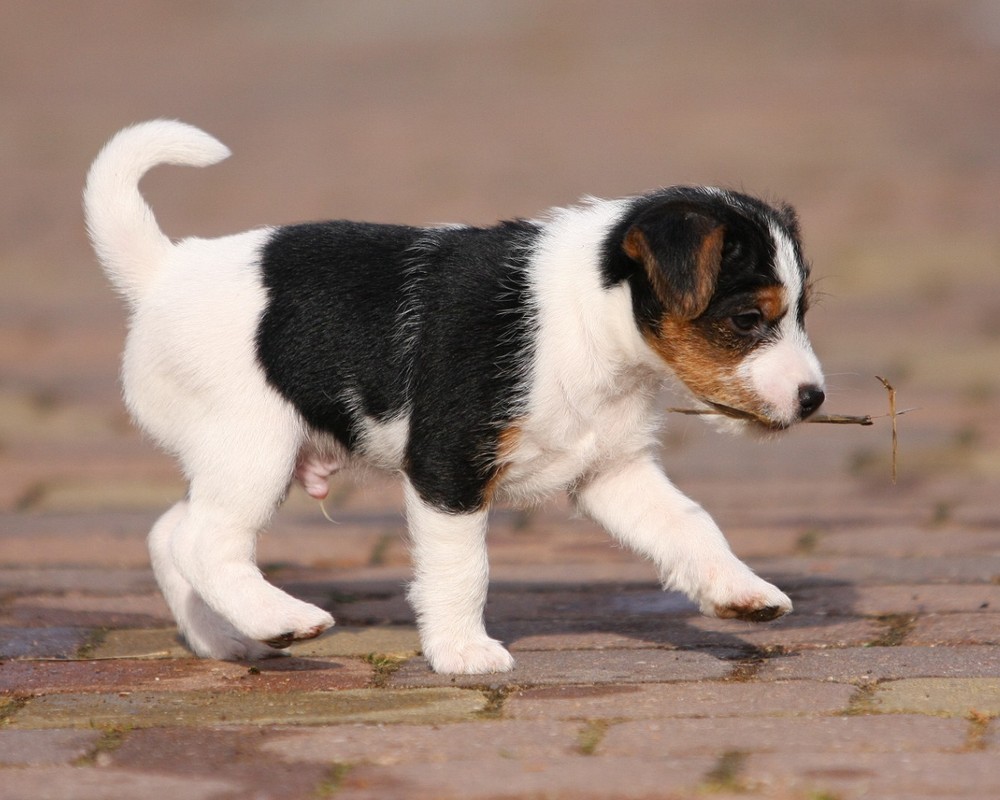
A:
(640, 507)
(448, 593)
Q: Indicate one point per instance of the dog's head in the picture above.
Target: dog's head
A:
(720, 290)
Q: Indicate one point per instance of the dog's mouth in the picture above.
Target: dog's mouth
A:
(757, 420)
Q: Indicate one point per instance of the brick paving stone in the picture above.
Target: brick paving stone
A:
(905, 542)
(242, 706)
(526, 635)
(991, 737)
(95, 494)
(589, 605)
(976, 628)
(84, 610)
(381, 611)
(344, 641)
(662, 738)
(878, 774)
(572, 667)
(189, 674)
(861, 664)
(96, 539)
(42, 642)
(902, 599)
(955, 697)
(805, 570)
(83, 549)
(55, 783)
(559, 779)
(798, 631)
(593, 574)
(98, 581)
(481, 741)
(39, 748)
(233, 754)
(344, 546)
(397, 641)
(692, 699)
(140, 643)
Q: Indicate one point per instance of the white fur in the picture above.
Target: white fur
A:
(593, 379)
(121, 226)
(192, 381)
(448, 593)
(638, 505)
(776, 371)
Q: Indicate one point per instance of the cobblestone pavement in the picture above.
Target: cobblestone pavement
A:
(880, 120)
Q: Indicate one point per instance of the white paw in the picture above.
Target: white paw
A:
(469, 658)
(210, 636)
(293, 622)
(748, 598)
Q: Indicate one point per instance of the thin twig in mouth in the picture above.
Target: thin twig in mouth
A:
(827, 419)
(718, 409)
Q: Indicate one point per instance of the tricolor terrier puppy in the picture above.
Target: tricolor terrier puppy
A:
(482, 364)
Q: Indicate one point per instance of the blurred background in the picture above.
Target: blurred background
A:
(878, 119)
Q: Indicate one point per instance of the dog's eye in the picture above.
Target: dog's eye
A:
(746, 322)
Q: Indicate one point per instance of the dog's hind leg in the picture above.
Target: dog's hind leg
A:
(239, 473)
(206, 633)
(448, 594)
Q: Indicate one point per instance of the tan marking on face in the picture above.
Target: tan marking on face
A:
(772, 302)
(507, 442)
(708, 263)
(708, 369)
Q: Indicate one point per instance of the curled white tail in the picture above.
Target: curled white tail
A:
(122, 228)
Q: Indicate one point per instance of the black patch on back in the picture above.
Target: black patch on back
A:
(476, 343)
(325, 339)
(379, 320)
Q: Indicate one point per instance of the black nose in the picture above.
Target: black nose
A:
(810, 398)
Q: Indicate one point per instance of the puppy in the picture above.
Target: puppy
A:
(481, 364)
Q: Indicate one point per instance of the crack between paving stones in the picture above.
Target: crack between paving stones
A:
(747, 667)
(112, 737)
(590, 736)
(94, 640)
(897, 628)
(724, 777)
(975, 736)
(496, 697)
(15, 703)
(383, 668)
(333, 780)
(862, 702)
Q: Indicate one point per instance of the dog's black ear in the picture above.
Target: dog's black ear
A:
(680, 248)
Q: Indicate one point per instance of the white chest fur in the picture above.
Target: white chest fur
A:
(593, 379)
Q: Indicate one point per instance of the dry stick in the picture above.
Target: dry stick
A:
(892, 416)
(829, 419)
